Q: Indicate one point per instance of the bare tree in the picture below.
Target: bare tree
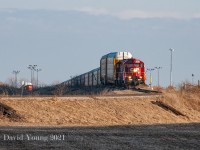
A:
(59, 89)
(10, 81)
(56, 82)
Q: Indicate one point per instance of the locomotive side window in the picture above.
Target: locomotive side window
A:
(136, 65)
(129, 65)
(139, 65)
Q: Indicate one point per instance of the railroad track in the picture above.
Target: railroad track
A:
(137, 92)
(148, 91)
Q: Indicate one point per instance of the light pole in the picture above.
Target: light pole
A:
(38, 70)
(171, 50)
(150, 69)
(32, 68)
(15, 72)
(158, 68)
(192, 79)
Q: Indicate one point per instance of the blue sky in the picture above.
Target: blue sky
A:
(66, 38)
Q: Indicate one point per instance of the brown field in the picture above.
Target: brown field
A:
(103, 110)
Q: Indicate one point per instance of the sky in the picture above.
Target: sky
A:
(67, 38)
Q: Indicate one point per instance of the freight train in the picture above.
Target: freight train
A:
(117, 68)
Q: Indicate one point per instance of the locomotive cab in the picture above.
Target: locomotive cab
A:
(130, 72)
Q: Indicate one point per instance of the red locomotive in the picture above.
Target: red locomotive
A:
(130, 72)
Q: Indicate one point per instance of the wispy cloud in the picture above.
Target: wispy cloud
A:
(7, 10)
(126, 14)
(131, 14)
(93, 11)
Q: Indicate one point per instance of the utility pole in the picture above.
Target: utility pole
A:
(16, 72)
(158, 68)
(171, 50)
(150, 69)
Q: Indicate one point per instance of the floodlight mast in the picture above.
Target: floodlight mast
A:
(171, 67)
(158, 68)
(32, 68)
(38, 70)
(16, 72)
(192, 79)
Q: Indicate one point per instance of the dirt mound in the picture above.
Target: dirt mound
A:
(8, 113)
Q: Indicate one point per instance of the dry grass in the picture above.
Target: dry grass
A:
(101, 111)
(187, 100)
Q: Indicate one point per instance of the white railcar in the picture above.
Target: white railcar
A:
(107, 66)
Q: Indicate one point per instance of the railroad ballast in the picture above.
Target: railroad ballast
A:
(116, 68)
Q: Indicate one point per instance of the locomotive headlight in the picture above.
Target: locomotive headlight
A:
(135, 70)
(129, 78)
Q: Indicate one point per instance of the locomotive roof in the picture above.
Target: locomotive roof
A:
(116, 54)
(136, 60)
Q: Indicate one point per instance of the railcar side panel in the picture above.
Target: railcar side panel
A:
(90, 78)
(86, 79)
(99, 80)
(110, 70)
(95, 73)
(83, 80)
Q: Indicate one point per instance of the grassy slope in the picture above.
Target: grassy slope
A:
(100, 111)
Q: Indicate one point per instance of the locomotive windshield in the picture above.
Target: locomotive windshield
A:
(135, 65)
